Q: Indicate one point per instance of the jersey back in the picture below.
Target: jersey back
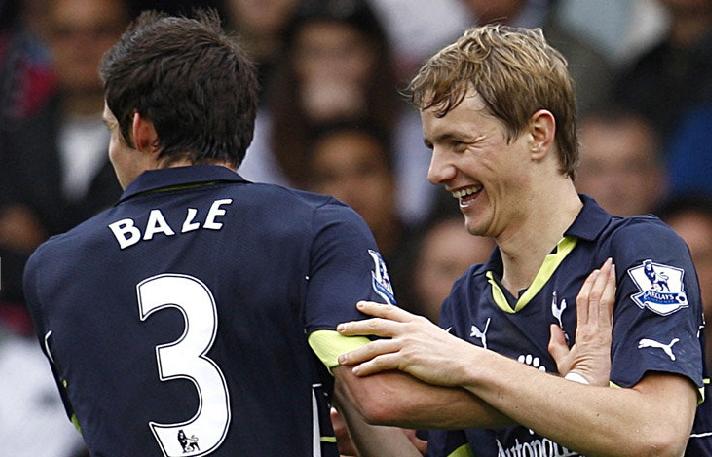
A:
(177, 321)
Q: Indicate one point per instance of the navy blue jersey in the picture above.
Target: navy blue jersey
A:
(657, 319)
(177, 322)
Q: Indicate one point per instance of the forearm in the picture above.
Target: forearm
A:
(398, 399)
(371, 440)
(595, 421)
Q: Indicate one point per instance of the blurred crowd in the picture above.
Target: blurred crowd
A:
(331, 120)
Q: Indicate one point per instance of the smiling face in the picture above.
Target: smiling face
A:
(473, 160)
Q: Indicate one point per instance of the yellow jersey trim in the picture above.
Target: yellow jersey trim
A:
(75, 422)
(328, 439)
(328, 345)
(551, 262)
(463, 451)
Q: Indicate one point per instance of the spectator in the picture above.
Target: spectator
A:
(58, 157)
(621, 164)
(25, 83)
(336, 66)
(676, 74)
(352, 162)
(690, 216)
(26, 79)
(445, 252)
(32, 419)
(261, 25)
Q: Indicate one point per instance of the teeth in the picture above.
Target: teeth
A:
(466, 191)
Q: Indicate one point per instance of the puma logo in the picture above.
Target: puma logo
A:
(667, 348)
(481, 334)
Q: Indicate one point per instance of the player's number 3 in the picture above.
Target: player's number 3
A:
(185, 358)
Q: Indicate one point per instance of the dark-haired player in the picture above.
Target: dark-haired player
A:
(197, 315)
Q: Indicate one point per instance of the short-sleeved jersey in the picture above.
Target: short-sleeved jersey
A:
(177, 322)
(657, 320)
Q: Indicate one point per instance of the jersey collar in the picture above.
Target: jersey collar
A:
(590, 222)
(179, 176)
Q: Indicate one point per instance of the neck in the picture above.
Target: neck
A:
(187, 163)
(537, 231)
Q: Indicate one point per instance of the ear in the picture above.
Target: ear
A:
(144, 135)
(542, 131)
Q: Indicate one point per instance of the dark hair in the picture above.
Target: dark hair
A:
(191, 79)
(291, 126)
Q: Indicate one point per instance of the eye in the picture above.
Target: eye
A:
(459, 146)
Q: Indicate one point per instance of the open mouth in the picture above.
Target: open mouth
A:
(467, 194)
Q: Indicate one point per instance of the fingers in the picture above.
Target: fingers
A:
(387, 318)
(389, 312)
(377, 326)
(378, 364)
(558, 348)
(582, 299)
(608, 298)
(599, 285)
(368, 352)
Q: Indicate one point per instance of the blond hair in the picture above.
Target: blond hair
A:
(514, 71)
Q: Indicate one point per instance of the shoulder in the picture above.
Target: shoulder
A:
(283, 197)
(644, 234)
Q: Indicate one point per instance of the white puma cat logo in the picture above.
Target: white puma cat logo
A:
(481, 334)
(667, 348)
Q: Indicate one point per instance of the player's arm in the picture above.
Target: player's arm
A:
(369, 440)
(345, 267)
(397, 398)
(413, 403)
(596, 421)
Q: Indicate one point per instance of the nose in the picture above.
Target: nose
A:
(440, 170)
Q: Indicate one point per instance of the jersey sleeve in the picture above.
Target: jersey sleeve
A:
(658, 313)
(345, 267)
(34, 306)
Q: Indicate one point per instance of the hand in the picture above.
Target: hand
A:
(590, 357)
(412, 344)
(346, 446)
(341, 432)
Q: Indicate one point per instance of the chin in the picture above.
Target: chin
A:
(472, 228)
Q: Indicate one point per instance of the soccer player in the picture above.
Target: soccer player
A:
(497, 108)
(197, 316)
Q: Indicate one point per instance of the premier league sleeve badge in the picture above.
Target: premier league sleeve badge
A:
(661, 288)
